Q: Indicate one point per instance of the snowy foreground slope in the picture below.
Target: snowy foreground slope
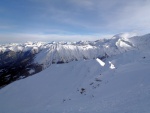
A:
(117, 84)
(31, 58)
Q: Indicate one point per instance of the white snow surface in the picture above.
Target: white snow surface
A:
(86, 86)
(100, 62)
(48, 53)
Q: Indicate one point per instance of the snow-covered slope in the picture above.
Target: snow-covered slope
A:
(86, 86)
(65, 52)
(114, 79)
(31, 58)
(48, 53)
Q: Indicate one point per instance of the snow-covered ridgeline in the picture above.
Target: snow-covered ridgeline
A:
(58, 53)
(48, 53)
(120, 84)
(66, 52)
(18, 47)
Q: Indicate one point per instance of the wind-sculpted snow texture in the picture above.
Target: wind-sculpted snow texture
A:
(116, 83)
(18, 61)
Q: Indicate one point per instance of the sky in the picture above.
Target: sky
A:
(71, 20)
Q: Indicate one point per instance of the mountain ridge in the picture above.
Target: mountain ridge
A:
(31, 57)
(117, 83)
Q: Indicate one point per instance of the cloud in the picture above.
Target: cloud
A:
(98, 15)
(134, 15)
(21, 38)
(48, 20)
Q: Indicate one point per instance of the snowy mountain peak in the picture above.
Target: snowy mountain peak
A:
(124, 35)
(116, 82)
(33, 57)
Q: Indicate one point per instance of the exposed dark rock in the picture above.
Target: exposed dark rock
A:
(82, 90)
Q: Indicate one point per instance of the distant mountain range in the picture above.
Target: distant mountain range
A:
(19, 61)
(103, 76)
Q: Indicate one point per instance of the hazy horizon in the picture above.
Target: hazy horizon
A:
(71, 20)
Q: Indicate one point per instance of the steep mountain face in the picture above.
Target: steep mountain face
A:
(16, 64)
(114, 79)
(30, 58)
